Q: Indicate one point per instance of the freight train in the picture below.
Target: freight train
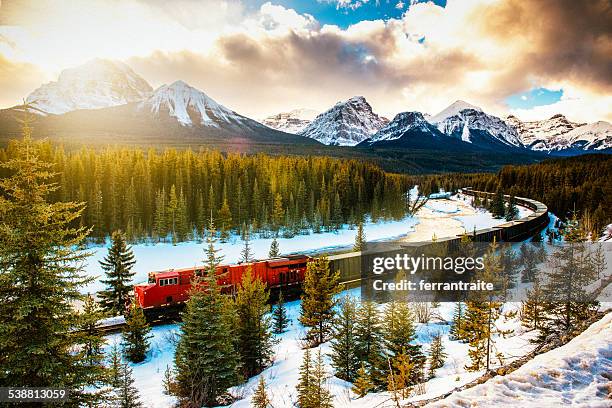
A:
(166, 291)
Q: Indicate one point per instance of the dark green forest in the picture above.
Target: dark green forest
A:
(582, 184)
(171, 194)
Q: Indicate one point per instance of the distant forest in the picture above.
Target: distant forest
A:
(582, 184)
(171, 195)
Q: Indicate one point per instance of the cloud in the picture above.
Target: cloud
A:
(274, 59)
(14, 78)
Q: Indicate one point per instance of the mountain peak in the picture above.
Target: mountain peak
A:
(188, 104)
(96, 84)
(452, 110)
(347, 123)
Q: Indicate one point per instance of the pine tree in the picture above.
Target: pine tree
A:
(205, 360)
(279, 316)
(401, 374)
(91, 349)
(246, 255)
(436, 355)
(136, 334)
(172, 211)
(498, 208)
(360, 239)
(304, 386)
(363, 384)
(274, 249)
(398, 333)
(457, 326)
(182, 219)
(482, 312)
(225, 221)
(260, 398)
(369, 342)
(118, 267)
(344, 344)
(567, 302)
(126, 393)
(533, 309)
(278, 212)
(320, 287)
(512, 211)
(160, 226)
(41, 277)
(320, 395)
(114, 367)
(253, 331)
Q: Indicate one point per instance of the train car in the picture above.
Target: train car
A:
(166, 291)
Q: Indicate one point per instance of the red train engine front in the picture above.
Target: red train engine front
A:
(166, 291)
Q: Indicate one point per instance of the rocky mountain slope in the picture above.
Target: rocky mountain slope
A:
(291, 122)
(470, 124)
(94, 85)
(345, 124)
(559, 135)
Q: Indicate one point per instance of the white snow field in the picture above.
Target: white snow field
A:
(282, 377)
(577, 374)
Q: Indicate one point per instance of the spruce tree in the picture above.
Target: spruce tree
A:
(363, 384)
(320, 288)
(398, 333)
(91, 350)
(205, 360)
(260, 398)
(360, 239)
(457, 326)
(401, 374)
(41, 277)
(498, 208)
(172, 212)
(567, 302)
(253, 330)
(304, 386)
(512, 211)
(278, 212)
(136, 334)
(344, 343)
(482, 312)
(114, 367)
(246, 255)
(369, 342)
(436, 355)
(118, 266)
(279, 316)
(225, 221)
(274, 249)
(320, 395)
(533, 308)
(126, 393)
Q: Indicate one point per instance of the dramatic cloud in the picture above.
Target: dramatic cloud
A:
(274, 59)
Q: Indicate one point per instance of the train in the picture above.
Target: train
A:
(166, 292)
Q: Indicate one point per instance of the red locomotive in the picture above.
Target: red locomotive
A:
(166, 291)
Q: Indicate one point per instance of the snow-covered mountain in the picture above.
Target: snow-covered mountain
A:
(97, 84)
(452, 110)
(405, 123)
(470, 124)
(558, 134)
(189, 106)
(291, 122)
(345, 124)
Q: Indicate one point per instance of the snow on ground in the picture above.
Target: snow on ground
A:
(576, 374)
(164, 256)
(282, 377)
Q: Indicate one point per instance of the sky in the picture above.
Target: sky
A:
(530, 58)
